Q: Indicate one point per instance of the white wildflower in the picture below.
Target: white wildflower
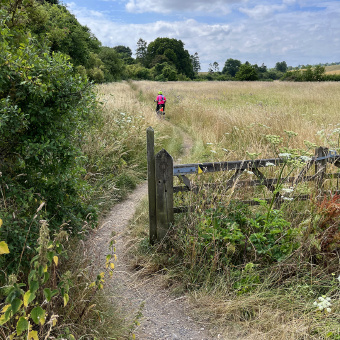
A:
(270, 164)
(226, 150)
(305, 158)
(209, 143)
(338, 278)
(324, 303)
(287, 190)
(213, 151)
(287, 198)
(122, 113)
(249, 172)
(284, 155)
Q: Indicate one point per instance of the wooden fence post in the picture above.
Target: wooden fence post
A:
(150, 147)
(320, 166)
(164, 193)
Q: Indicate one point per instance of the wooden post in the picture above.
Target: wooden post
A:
(164, 193)
(320, 166)
(150, 147)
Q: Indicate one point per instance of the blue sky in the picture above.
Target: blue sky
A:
(258, 31)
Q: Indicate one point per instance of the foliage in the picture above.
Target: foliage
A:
(308, 74)
(44, 108)
(172, 51)
(246, 72)
(195, 63)
(231, 67)
(281, 66)
(113, 66)
(30, 311)
(234, 235)
(125, 54)
(137, 71)
(141, 52)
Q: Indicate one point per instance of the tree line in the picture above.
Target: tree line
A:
(56, 29)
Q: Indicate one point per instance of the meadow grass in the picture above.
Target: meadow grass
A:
(239, 292)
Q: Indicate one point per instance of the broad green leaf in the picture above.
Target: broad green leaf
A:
(34, 286)
(48, 294)
(16, 303)
(3, 248)
(38, 315)
(46, 277)
(33, 335)
(66, 299)
(28, 298)
(7, 310)
(22, 325)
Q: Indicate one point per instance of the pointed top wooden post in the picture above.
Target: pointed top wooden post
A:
(164, 193)
(150, 147)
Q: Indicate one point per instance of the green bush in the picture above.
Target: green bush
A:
(44, 109)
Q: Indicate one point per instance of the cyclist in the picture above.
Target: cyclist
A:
(160, 108)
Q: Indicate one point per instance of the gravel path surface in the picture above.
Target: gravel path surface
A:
(163, 316)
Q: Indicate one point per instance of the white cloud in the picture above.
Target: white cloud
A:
(262, 11)
(191, 6)
(297, 37)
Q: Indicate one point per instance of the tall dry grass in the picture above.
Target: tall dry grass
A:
(236, 116)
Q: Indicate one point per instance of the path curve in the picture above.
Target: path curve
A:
(163, 316)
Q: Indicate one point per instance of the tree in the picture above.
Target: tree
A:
(195, 61)
(246, 72)
(231, 66)
(113, 64)
(125, 53)
(281, 66)
(214, 67)
(158, 51)
(141, 51)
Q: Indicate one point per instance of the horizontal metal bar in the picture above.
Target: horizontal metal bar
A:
(195, 168)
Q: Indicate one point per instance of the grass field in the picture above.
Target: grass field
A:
(333, 69)
(244, 292)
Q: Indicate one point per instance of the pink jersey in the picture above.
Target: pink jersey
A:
(160, 99)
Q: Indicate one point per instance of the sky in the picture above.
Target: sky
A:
(299, 32)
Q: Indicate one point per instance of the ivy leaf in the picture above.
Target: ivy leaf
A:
(3, 248)
(22, 325)
(38, 315)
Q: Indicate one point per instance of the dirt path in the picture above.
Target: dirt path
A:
(162, 316)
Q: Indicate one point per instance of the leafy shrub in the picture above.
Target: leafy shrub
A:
(234, 235)
(44, 109)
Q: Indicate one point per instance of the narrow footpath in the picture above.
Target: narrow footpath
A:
(161, 315)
